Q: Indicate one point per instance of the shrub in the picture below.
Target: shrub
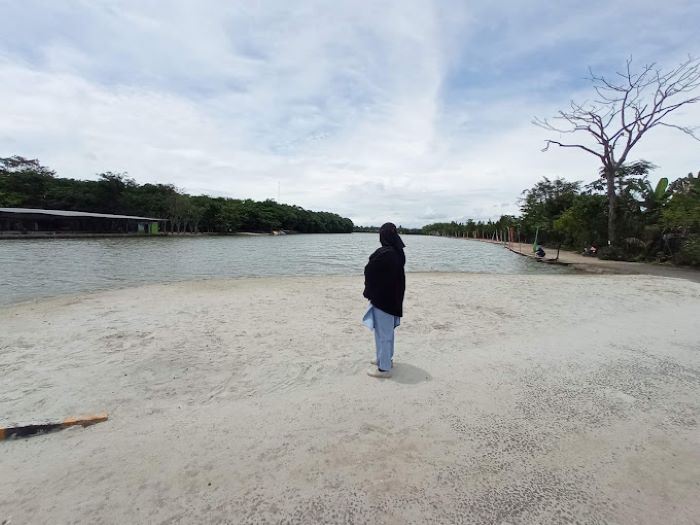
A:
(611, 253)
(689, 252)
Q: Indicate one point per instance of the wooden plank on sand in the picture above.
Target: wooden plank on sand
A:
(40, 428)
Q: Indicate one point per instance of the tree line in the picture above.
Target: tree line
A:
(25, 183)
(375, 229)
(471, 228)
(653, 222)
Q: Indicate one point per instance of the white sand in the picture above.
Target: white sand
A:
(246, 401)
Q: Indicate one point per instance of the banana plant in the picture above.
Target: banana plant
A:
(655, 197)
(660, 190)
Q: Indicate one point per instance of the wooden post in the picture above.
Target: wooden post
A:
(520, 242)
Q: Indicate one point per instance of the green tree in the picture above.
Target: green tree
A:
(24, 182)
(113, 192)
(585, 222)
(682, 212)
(543, 204)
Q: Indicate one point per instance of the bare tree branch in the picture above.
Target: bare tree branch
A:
(550, 142)
(626, 107)
(692, 132)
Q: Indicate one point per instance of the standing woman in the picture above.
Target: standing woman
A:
(385, 284)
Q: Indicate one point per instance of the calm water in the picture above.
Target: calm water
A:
(31, 269)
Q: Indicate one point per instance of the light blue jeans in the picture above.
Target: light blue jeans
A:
(383, 325)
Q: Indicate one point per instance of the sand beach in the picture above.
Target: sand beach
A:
(516, 399)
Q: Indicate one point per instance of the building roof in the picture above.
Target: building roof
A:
(68, 213)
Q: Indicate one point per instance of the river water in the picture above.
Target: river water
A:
(36, 268)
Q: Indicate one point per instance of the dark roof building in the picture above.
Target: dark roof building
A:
(69, 213)
(30, 221)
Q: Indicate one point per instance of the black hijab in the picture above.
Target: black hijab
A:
(388, 236)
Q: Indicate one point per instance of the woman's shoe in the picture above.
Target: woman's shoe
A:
(382, 374)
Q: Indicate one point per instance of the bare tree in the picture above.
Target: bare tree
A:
(627, 106)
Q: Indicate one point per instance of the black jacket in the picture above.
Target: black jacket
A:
(385, 280)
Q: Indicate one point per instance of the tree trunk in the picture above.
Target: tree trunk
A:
(612, 208)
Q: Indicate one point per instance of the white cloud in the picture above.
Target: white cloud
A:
(409, 111)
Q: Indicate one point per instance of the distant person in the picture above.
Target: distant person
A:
(385, 284)
(591, 251)
(540, 252)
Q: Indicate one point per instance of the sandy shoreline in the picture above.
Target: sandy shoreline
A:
(245, 401)
(594, 265)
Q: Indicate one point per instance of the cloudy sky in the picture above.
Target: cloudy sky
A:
(408, 110)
